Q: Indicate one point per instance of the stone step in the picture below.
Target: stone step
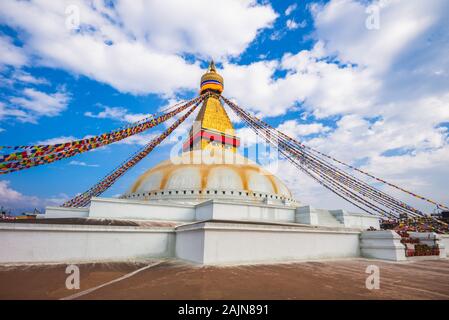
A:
(326, 218)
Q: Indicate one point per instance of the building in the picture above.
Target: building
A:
(207, 205)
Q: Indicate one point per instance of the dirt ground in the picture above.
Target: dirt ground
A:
(344, 279)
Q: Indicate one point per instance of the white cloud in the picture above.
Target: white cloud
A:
(324, 87)
(56, 140)
(2, 130)
(34, 104)
(12, 199)
(290, 9)
(179, 26)
(342, 24)
(247, 137)
(11, 54)
(117, 113)
(408, 51)
(292, 24)
(42, 103)
(7, 194)
(137, 48)
(139, 139)
(294, 129)
(144, 138)
(307, 190)
(347, 73)
(135, 117)
(180, 134)
(82, 164)
(7, 112)
(22, 76)
(19, 76)
(108, 113)
(277, 35)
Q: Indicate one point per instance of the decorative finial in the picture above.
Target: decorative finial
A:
(212, 66)
(211, 80)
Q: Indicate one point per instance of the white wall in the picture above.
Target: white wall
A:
(356, 220)
(335, 218)
(64, 243)
(228, 243)
(190, 245)
(61, 212)
(445, 242)
(136, 209)
(317, 217)
(203, 242)
(306, 215)
(239, 210)
(385, 245)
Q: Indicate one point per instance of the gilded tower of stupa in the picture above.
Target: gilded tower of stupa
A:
(212, 128)
(188, 177)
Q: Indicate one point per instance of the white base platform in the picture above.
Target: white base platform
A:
(444, 239)
(207, 242)
(212, 243)
(211, 232)
(385, 245)
(39, 243)
(236, 210)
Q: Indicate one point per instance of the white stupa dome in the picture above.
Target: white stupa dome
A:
(198, 176)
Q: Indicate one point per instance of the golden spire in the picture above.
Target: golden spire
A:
(212, 66)
(212, 128)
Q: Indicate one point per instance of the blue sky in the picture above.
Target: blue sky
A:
(377, 96)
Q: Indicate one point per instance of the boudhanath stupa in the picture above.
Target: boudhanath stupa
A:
(208, 204)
